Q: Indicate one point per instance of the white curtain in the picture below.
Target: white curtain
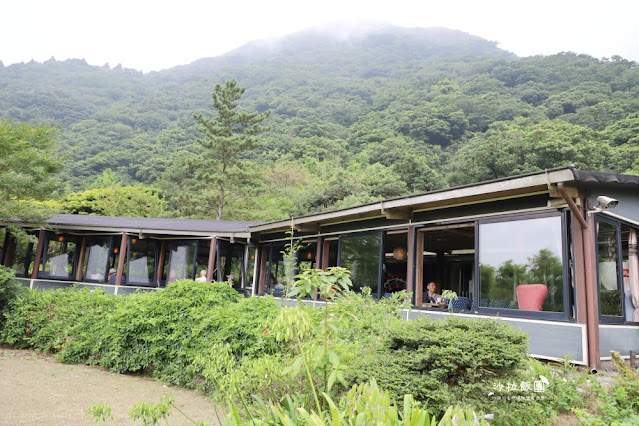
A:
(633, 266)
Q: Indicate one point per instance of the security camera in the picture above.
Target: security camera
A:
(607, 202)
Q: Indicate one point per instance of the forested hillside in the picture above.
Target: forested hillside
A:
(354, 119)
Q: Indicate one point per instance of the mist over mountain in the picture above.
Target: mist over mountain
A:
(359, 112)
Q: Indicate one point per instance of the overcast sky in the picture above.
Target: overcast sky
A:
(153, 35)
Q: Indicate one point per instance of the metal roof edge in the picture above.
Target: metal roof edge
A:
(544, 177)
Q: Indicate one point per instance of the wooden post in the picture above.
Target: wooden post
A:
(121, 258)
(410, 264)
(212, 257)
(318, 253)
(160, 271)
(83, 249)
(5, 246)
(263, 263)
(325, 254)
(419, 269)
(592, 299)
(38, 256)
(11, 252)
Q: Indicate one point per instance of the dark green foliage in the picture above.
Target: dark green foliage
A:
(10, 289)
(46, 320)
(28, 162)
(387, 113)
(439, 360)
(159, 333)
(209, 336)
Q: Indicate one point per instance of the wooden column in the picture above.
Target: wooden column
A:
(10, 252)
(160, 271)
(212, 257)
(5, 246)
(83, 250)
(263, 264)
(121, 258)
(419, 269)
(325, 254)
(410, 264)
(38, 256)
(592, 299)
(318, 253)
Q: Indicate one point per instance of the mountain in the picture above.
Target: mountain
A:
(410, 109)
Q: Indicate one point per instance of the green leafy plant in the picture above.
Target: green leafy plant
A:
(151, 414)
(450, 296)
(293, 324)
(10, 289)
(100, 412)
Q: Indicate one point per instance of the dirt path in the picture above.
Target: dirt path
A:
(37, 390)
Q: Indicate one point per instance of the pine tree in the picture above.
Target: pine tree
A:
(221, 171)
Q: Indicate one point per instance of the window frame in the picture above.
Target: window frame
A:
(105, 274)
(564, 315)
(612, 319)
(125, 277)
(380, 258)
(51, 236)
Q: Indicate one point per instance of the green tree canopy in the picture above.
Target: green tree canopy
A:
(27, 168)
(131, 201)
(222, 175)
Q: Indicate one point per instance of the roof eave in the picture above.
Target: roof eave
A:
(487, 190)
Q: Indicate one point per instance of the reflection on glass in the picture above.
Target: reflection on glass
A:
(59, 258)
(250, 270)
(24, 255)
(514, 254)
(231, 263)
(360, 255)
(607, 258)
(181, 260)
(141, 266)
(306, 257)
(97, 258)
(277, 271)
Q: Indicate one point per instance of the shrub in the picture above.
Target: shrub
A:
(10, 289)
(47, 320)
(159, 332)
(438, 361)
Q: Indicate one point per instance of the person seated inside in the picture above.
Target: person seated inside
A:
(202, 277)
(431, 298)
(277, 288)
(172, 276)
(111, 276)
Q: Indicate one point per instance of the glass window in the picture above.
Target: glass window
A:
(181, 260)
(96, 258)
(276, 269)
(360, 255)
(521, 266)
(59, 257)
(140, 269)
(250, 269)
(24, 255)
(202, 261)
(395, 262)
(608, 267)
(231, 257)
(306, 257)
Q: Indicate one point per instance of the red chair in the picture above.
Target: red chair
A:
(531, 296)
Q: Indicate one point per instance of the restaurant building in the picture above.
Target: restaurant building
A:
(553, 253)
